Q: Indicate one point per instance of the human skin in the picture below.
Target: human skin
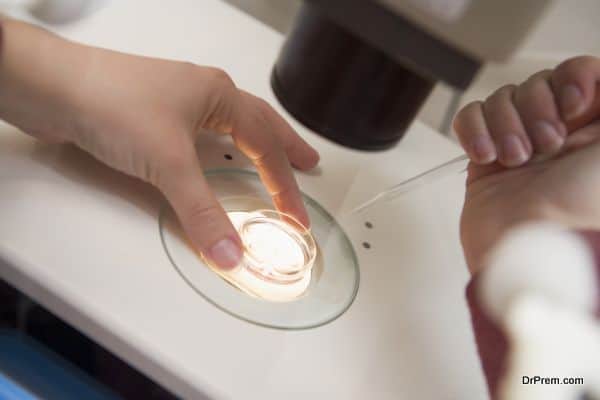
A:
(142, 116)
(563, 187)
(518, 121)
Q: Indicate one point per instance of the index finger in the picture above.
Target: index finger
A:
(254, 133)
(590, 115)
(575, 83)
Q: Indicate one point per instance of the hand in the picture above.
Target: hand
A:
(517, 121)
(564, 188)
(141, 116)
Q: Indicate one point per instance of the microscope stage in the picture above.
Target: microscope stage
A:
(84, 241)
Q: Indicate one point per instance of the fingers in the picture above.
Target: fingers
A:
(302, 155)
(507, 130)
(202, 217)
(592, 114)
(533, 117)
(575, 84)
(493, 130)
(473, 134)
(583, 137)
(255, 132)
(536, 104)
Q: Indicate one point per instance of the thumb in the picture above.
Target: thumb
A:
(202, 217)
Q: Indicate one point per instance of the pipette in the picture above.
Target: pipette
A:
(459, 164)
(456, 165)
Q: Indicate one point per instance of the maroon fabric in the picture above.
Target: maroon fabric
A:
(492, 344)
(1, 37)
(593, 239)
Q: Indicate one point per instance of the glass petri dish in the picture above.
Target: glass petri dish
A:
(328, 289)
(279, 255)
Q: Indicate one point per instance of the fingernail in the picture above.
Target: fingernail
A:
(225, 254)
(484, 149)
(513, 151)
(546, 136)
(571, 101)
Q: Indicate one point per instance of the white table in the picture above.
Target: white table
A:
(83, 241)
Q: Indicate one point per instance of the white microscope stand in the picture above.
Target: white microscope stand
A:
(83, 241)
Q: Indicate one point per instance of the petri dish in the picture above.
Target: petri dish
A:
(322, 274)
(279, 255)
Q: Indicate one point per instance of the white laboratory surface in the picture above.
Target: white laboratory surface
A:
(84, 241)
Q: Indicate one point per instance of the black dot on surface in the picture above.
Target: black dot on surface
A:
(366, 245)
(228, 157)
(368, 225)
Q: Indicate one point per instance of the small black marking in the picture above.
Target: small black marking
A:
(366, 245)
(369, 225)
(228, 157)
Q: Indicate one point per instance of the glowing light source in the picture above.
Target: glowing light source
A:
(278, 257)
(297, 298)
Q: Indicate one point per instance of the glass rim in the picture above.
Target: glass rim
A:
(302, 237)
(250, 312)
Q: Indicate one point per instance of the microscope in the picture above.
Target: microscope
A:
(358, 71)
